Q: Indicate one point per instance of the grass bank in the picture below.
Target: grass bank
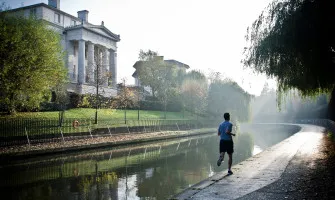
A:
(103, 114)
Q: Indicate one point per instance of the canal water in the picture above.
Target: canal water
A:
(147, 171)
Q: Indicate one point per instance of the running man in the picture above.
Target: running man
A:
(226, 141)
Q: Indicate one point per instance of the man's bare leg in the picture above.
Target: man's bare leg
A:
(220, 159)
(222, 155)
(230, 161)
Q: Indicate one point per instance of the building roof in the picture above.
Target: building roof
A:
(172, 62)
(135, 74)
(99, 29)
(175, 62)
(44, 5)
(138, 63)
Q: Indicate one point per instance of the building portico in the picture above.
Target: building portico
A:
(93, 57)
(90, 49)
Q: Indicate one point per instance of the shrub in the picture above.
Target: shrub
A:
(75, 100)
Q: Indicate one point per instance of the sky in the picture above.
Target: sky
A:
(207, 35)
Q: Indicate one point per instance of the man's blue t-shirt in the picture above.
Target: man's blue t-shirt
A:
(225, 126)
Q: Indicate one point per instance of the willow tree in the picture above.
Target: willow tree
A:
(294, 41)
(31, 62)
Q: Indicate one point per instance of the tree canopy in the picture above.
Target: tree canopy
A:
(228, 96)
(149, 70)
(160, 76)
(294, 41)
(31, 62)
(147, 55)
(194, 90)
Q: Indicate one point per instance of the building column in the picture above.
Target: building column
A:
(70, 47)
(105, 67)
(81, 62)
(90, 62)
(112, 67)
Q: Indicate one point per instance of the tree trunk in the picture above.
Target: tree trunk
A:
(125, 116)
(331, 106)
(153, 92)
(11, 106)
(165, 110)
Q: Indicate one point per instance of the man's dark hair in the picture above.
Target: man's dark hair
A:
(226, 116)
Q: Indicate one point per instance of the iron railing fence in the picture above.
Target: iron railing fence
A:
(23, 131)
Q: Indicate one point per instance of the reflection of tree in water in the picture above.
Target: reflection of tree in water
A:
(158, 186)
(179, 171)
(187, 167)
(86, 183)
(164, 180)
(168, 175)
(67, 188)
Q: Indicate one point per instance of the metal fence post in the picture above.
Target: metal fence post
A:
(27, 136)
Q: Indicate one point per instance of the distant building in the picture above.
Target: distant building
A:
(87, 47)
(138, 64)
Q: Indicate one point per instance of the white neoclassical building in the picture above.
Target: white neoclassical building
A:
(91, 50)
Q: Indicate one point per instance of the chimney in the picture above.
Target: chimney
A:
(83, 15)
(157, 58)
(54, 3)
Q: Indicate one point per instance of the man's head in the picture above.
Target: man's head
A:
(226, 116)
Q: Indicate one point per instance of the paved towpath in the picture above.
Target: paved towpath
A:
(262, 176)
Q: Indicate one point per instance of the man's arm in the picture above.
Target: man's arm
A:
(233, 134)
(229, 129)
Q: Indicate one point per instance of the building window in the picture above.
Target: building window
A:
(57, 18)
(74, 50)
(33, 12)
(73, 22)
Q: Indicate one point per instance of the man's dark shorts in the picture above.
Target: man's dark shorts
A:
(227, 146)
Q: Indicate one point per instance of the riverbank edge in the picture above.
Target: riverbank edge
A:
(4, 157)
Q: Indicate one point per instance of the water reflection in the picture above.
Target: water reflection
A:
(150, 171)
